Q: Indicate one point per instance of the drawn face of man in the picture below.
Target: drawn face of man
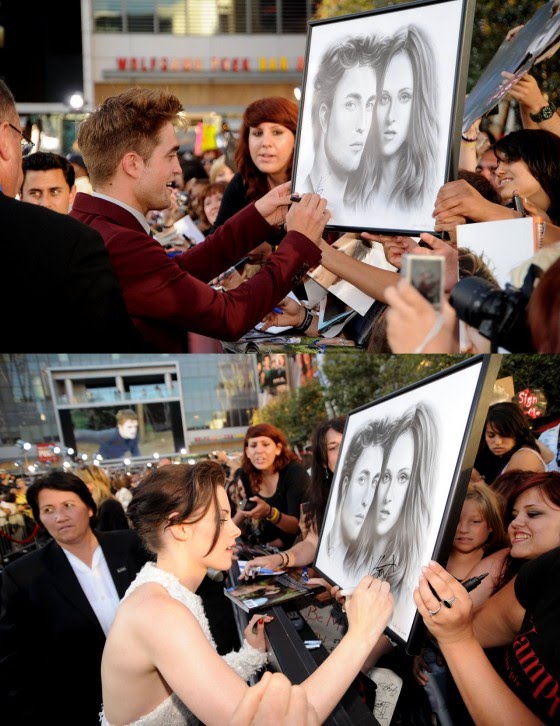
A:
(394, 483)
(347, 122)
(361, 488)
(395, 104)
(129, 429)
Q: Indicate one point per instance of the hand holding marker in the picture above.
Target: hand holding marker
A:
(469, 585)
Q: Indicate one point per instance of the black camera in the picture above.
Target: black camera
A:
(247, 504)
(499, 315)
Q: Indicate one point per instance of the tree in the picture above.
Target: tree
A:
(296, 413)
(354, 379)
(491, 23)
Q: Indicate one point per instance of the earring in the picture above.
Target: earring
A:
(326, 472)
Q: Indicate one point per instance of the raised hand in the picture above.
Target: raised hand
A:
(274, 205)
(309, 217)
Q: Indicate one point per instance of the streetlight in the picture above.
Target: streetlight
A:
(76, 102)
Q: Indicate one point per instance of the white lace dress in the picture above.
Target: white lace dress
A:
(248, 660)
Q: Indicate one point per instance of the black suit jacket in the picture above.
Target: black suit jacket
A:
(59, 290)
(51, 642)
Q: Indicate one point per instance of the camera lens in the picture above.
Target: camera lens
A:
(476, 300)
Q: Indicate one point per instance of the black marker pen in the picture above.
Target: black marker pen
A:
(473, 582)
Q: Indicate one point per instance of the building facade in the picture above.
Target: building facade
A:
(193, 403)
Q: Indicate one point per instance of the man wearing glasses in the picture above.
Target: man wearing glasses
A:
(61, 265)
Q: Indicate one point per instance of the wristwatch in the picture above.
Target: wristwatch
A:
(544, 114)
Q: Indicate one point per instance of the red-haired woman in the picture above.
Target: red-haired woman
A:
(264, 154)
(276, 482)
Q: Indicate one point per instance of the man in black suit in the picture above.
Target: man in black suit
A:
(54, 266)
(57, 606)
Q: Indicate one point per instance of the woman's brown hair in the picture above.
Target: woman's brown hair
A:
(271, 109)
(281, 461)
(172, 494)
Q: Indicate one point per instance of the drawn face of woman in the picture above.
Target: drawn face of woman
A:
(361, 488)
(394, 104)
(393, 486)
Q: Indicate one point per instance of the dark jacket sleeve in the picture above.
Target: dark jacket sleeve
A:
(173, 290)
(91, 279)
(16, 651)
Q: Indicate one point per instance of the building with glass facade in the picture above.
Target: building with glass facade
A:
(190, 402)
(215, 55)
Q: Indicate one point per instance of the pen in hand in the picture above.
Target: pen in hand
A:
(469, 585)
(473, 582)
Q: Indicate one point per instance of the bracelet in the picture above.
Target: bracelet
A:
(305, 324)
(269, 511)
(274, 516)
(281, 559)
(469, 141)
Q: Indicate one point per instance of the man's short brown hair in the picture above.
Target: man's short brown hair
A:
(128, 122)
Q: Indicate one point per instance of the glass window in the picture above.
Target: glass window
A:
(140, 16)
(171, 16)
(294, 16)
(107, 16)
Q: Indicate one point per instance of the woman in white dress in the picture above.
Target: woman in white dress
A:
(160, 664)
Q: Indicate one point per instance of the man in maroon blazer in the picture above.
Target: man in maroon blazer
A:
(130, 148)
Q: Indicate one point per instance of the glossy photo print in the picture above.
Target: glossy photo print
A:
(382, 101)
(402, 473)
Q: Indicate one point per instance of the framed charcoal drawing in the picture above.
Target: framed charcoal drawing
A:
(399, 485)
(381, 113)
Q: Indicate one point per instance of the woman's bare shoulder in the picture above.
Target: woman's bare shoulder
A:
(490, 562)
(527, 459)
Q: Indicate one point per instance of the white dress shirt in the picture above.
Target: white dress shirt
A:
(98, 586)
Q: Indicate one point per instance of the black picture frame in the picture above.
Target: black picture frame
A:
(345, 120)
(387, 519)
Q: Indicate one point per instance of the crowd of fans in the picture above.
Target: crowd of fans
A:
(60, 602)
(208, 246)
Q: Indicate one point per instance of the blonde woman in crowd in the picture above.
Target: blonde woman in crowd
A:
(110, 512)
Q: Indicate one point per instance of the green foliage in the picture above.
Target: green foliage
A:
(296, 413)
(355, 379)
(491, 23)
